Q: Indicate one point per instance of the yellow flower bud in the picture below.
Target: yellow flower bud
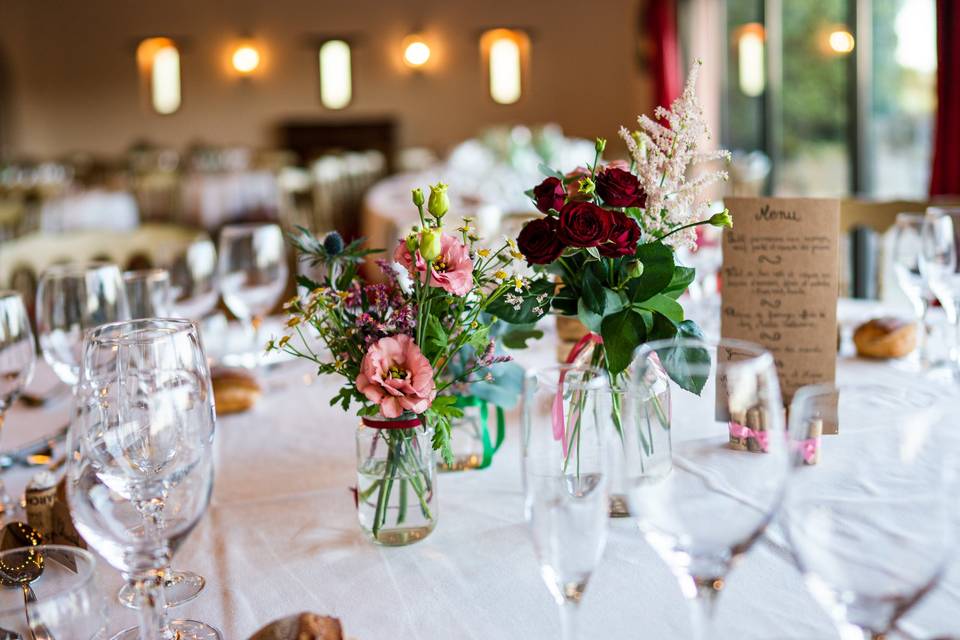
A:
(439, 202)
(430, 246)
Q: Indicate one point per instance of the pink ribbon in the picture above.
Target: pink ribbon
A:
(559, 425)
(809, 449)
(737, 430)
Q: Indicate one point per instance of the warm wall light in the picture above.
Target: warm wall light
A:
(416, 52)
(159, 63)
(245, 59)
(750, 63)
(841, 41)
(336, 82)
(505, 50)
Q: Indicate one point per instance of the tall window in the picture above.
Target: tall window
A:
(159, 62)
(505, 51)
(336, 81)
(846, 103)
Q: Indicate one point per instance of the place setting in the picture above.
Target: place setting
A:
(478, 337)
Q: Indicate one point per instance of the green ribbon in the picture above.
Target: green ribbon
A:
(489, 447)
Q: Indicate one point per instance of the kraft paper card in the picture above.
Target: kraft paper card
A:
(780, 286)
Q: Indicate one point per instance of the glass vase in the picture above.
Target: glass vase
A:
(396, 480)
(476, 436)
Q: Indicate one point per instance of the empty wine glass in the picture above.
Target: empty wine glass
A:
(702, 503)
(907, 250)
(940, 265)
(70, 300)
(253, 274)
(67, 604)
(140, 461)
(870, 524)
(193, 280)
(566, 410)
(148, 293)
(17, 358)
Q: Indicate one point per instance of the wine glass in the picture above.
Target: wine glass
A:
(907, 250)
(704, 501)
(940, 265)
(193, 280)
(70, 300)
(18, 356)
(148, 293)
(870, 525)
(140, 460)
(566, 410)
(253, 273)
(68, 603)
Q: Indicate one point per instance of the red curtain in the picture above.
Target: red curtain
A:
(661, 25)
(945, 176)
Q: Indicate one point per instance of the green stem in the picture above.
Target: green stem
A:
(681, 228)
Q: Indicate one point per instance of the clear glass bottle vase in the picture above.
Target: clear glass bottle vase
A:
(396, 480)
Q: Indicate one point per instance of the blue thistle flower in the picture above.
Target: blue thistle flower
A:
(333, 243)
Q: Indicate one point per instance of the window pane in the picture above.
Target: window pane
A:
(904, 97)
(815, 155)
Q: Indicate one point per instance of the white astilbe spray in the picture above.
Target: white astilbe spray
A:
(664, 156)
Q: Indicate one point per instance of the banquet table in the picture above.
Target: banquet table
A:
(280, 537)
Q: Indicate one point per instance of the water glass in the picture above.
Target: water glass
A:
(906, 257)
(68, 603)
(70, 300)
(870, 524)
(702, 503)
(17, 358)
(253, 272)
(940, 266)
(566, 415)
(148, 293)
(193, 280)
(140, 459)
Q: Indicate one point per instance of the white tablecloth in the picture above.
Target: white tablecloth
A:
(281, 536)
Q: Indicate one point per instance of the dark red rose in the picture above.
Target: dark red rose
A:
(584, 224)
(620, 188)
(623, 237)
(538, 241)
(549, 194)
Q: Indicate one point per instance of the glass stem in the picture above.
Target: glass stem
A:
(923, 311)
(569, 619)
(702, 609)
(148, 586)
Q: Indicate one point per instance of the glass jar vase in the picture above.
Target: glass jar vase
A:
(396, 480)
(475, 437)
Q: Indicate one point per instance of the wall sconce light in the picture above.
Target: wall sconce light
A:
(336, 74)
(416, 52)
(159, 62)
(750, 59)
(245, 59)
(505, 51)
(841, 41)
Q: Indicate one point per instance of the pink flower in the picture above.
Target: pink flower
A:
(396, 376)
(452, 270)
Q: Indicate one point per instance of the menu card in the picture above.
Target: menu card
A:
(780, 285)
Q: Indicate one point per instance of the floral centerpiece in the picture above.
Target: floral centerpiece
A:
(403, 347)
(609, 232)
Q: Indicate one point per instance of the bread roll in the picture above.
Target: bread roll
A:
(302, 626)
(235, 390)
(885, 338)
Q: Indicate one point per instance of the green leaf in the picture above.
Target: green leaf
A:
(663, 328)
(634, 212)
(658, 265)
(594, 252)
(682, 277)
(435, 338)
(535, 302)
(612, 303)
(665, 305)
(592, 292)
(517, 339)
(480, 337)
(550, 173)
(622, 332)
(310, 284)
(687, 366)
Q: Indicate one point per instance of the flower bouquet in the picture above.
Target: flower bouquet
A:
(609, 232)
(394, 344)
